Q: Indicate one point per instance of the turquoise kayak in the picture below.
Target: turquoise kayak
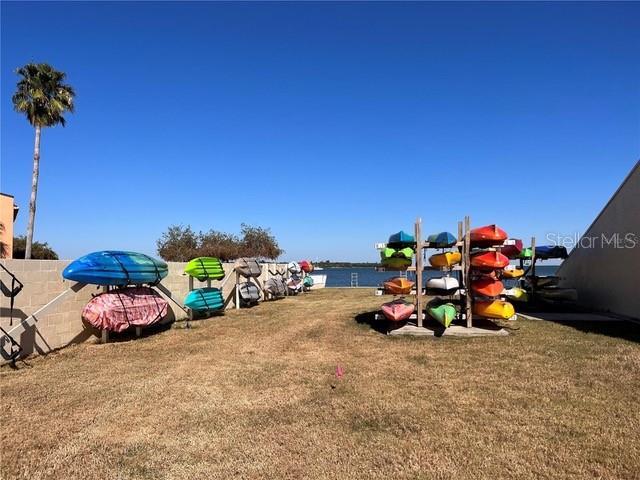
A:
(442, 240)
(401, 240)
(204, 299)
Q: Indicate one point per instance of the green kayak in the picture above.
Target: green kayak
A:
(396, 263)
(205, 268)
(406, 252)
(443, 313)
(525, 253)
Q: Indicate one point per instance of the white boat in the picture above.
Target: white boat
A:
(442, 286)
(319, 281)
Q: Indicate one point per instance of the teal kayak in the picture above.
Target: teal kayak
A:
(442, 240)
(401, 240)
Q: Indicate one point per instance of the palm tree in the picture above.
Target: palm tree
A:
(43, 97)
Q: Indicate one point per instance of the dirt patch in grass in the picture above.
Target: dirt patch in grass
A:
(254, 394)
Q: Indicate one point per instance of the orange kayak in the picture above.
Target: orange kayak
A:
(398, 286)
(488, 235)
(489, 260)
(487, 285)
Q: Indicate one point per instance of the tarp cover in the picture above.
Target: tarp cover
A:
(122, 308)
(248, 267)
(249, 292)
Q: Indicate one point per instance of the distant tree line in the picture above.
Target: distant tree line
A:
(181, 243)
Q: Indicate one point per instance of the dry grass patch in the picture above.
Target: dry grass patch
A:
(254, 395)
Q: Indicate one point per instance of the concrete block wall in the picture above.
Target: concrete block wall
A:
(63, 325)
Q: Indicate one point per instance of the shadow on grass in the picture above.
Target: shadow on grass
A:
(624, 330)
(369, 318)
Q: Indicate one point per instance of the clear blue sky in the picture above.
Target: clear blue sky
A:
(334, 124)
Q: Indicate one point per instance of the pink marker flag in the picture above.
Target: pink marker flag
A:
(339, 371)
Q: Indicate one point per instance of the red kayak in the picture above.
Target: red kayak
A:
(489, 260)
(512, 251)
(398, 310)
(122, 308)
(306, 266)
(487, 236)
(487, 285)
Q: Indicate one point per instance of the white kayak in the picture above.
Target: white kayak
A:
(442, 286)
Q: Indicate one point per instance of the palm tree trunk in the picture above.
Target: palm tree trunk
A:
(34, 193)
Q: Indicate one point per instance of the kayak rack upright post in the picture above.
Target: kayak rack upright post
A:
(419, 269)
(466, 268)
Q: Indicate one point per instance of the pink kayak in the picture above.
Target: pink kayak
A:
(398, 310)
(122, 308)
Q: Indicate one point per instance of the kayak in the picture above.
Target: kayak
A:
(397, 310)
(275, 286)
(401, 240)
(122, 308)
(555, 293)
(446, 259)
(511, 271)
(487, 286)
(307, 282)
(494, 309)
(205, 268)
(546, 252)
(306, 266)
(525, 253)
(512, 248)
(442, 240)
(516, 293)
(294, 285)
(248, 267)
(489, 260)
(388, 252)
(398, 286)
(442, 286)
(204, 299)
(249, 293)
(444, 313)
(115, 267)
(487, 236)
(293, 267)
(396, 263)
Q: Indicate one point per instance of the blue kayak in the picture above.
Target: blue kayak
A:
(545, 252)
(401, 240)
(204, 299)
(112, 267)
(442, 240)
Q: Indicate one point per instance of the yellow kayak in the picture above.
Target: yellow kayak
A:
(516, 293)
(512, 272)
(494, 309)
(446, 259)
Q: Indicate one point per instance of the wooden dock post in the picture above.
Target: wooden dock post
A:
(466, 268)
(419, 269)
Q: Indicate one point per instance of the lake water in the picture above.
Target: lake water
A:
(368, 277)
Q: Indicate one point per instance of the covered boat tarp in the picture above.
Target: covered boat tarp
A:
(294, 267)
(308, 282)
(275, 286)
(248, 267)
(294, 284)
(249, 293)
(122, 308)
(546, 252)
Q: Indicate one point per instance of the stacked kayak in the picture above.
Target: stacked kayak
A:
(393, 259)
(442, 240)
(512, 248)
(401, 240)
(275, 287)
(487, 236)
(442, 286)
(205, 268)
(248, 267)
(204, 300)
(122, 308)
(294, 268)
(445, 260)
(115, 267)
(307, 282)
(497, 309)
(398, 286)
(444, 313)
(249, 293)
(294, 285)
(398, 310)
(306, 266)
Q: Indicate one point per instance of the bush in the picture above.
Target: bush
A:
(181, 244)
(39, 250)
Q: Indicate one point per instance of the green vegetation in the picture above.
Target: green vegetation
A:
(39, 250)
(42, 96)
(181, 244)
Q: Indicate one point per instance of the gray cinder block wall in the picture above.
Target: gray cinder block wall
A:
(605, 266)
(63, 325)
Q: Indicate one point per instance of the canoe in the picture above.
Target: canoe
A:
(494, 309)
(397, 310)
(396, 263)
(558, 294)
(307, 282)
(446, 259)
(248, 267)
(487, 236)
(205, 268)
(512, 248)
(388, 252)
(487, 285)
(444, 313)
(546, 252)
(442, 286)
(204, 299)
(306, 266)
(489, 260)
(526, 253)
(511, 271)
(114, 267)
(516, 293)
(401, 240)
(398, 286)
(249, 293)
(122, 308)
(293, 267)
(442, 240)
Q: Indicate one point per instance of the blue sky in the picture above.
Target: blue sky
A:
(334, 124)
